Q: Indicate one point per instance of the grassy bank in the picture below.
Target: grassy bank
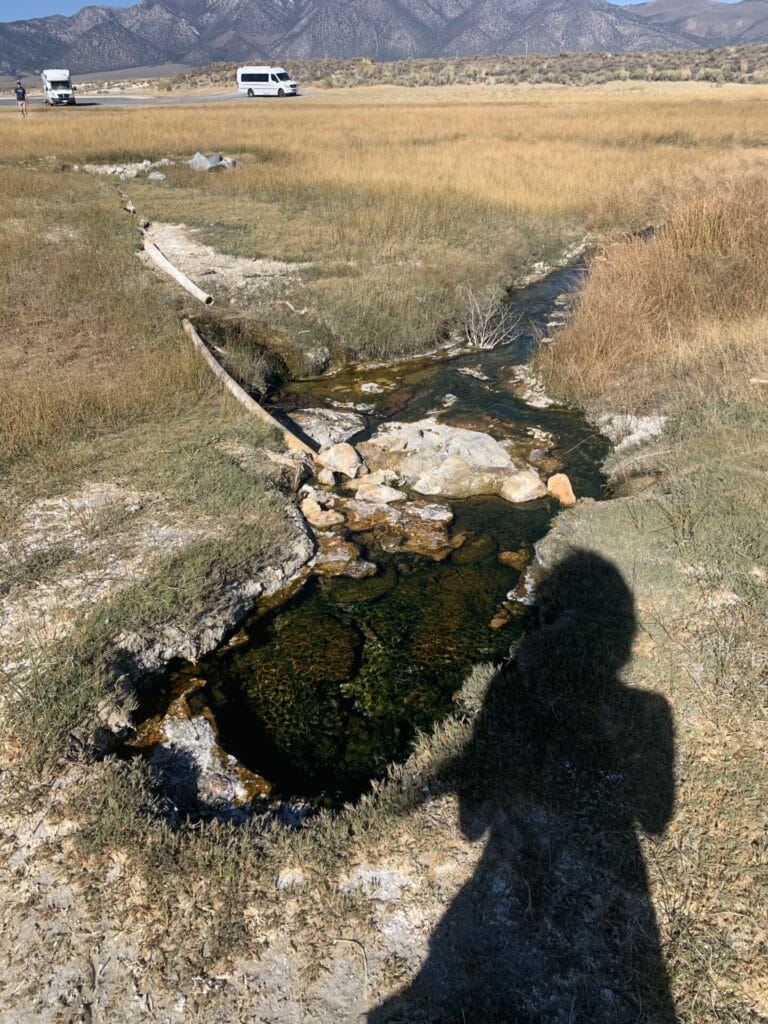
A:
(676, 325)
(116, 453)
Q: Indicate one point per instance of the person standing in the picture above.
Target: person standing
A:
(21, 99)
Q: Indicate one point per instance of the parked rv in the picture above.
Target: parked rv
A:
(265, 81)
(57, 87)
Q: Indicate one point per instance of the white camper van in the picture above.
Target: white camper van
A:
(265, 81)
(57, 87)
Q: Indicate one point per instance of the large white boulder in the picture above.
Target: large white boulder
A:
(451, 462)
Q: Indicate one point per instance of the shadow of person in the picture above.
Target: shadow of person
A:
(564, 765)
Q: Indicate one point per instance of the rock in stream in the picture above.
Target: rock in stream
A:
(433, 458)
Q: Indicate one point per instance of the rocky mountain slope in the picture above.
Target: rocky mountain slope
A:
(715, 23)
(198, 31)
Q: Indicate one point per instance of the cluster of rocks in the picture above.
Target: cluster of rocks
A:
(128, 171)
(427, 457)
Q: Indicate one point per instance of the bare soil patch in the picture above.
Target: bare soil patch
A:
(229, 278)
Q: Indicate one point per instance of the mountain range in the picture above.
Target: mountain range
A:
(713, 23)
(194, 32)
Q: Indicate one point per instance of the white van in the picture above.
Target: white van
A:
(57, 87)
(265, 81)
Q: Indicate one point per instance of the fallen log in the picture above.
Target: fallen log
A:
(291, 440)
(165, 265)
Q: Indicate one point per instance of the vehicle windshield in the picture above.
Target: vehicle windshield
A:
(283, 76)
(59, 85)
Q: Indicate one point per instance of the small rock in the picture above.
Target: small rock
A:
(156, 176)
(379, 476)
(326, 477)
(319, 518)
(559, 486)
(378, 492)
(114, 718)
(203, 163)
(341, 458)
(515, 559)
(500, 619)
(339, 557)
(523, 486)
(323, 498)
(508, 611)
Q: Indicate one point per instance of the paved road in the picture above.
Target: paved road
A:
(36, 104)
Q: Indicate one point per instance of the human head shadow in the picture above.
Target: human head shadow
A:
(565, 764)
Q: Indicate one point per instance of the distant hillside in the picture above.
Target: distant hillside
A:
(717, 23)
(744, 64)
(198, 31)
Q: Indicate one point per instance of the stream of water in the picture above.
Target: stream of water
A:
(322, 693)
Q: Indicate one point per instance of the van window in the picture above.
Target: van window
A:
(59, 85)
(254, 76)
(283, 76)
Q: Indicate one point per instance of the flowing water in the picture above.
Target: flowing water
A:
(319, 695)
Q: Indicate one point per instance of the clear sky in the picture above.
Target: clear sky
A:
(13, 10)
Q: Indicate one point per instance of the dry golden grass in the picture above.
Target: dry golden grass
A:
(679, 319)
(405, 198)
(401, 198)
(90, 341)
(552, 151)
